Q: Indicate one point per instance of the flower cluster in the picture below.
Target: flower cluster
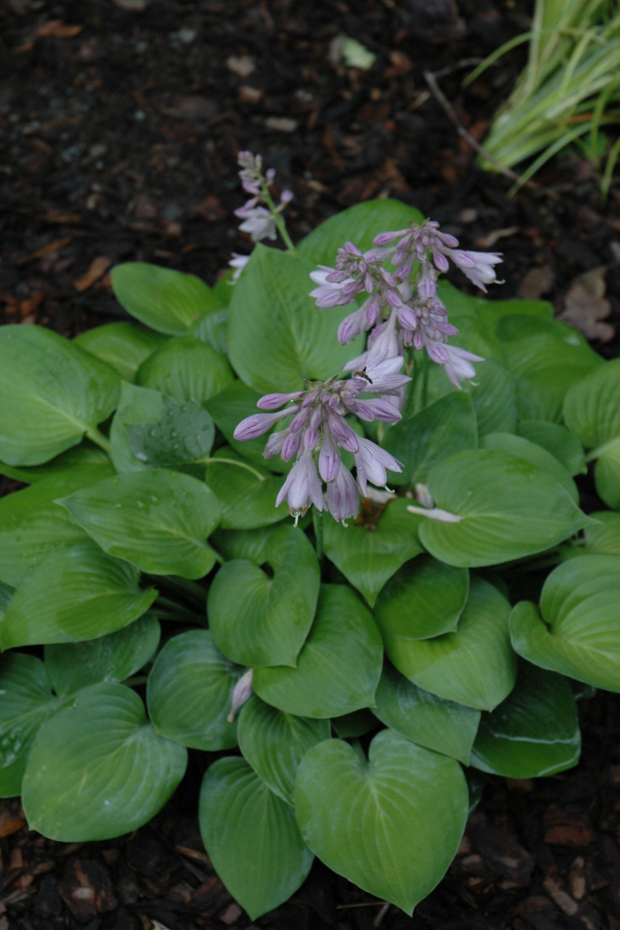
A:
(319, 425)
(396, 316)
(259, 221)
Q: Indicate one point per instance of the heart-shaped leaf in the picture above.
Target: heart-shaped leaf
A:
(75, 594)
(367, 557)
(579, 632)
(246, 492)
(277, 336)
(474, 666)
(534, 454)
(604, 537)
(509, 509)
(159, 520)
(27, 701)
(212, 328)
(359, 224)
(339, 666)
(534, 732)
(137, 406)
(592, 412)
(494, 397)
(189, 692)
(557, 440)
(97, 768)
(391, 825)
(186, 369)
(274, 743)
(424, 718)
(257, 619)
(228, 409)
(438, 432)
(166, 300)
(424, 599)
(52, 393)
(122, 345)
(111, 658)
(251, 836)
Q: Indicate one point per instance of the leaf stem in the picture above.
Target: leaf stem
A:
(176, 611)
(214, 461)
(190, 590)
(97, 437)
(278, 220)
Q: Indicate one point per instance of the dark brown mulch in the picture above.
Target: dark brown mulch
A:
(119, 130)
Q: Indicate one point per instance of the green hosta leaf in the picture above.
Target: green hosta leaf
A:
(604, 537)
(212, 329)
(243, 544)
(27, 701)
(122, 345)
(367, 557)
(391, 825)
(52, 393)
(424, 718)
(274, 743)
(167, 301)
(557, 440)
(495, 398)
(337, 669)
(228, 409)
(592, 412)
(247, 495)
(257, 619)
(438, 432)
(277, 336)
(66, 467)
(153, 431)
(359, 224)
(490, 312)
(548, 357)
(251, 836)
(111, 658)
(6, 593)
(189, 692)
(474, 666)
(159, 520)
(424, 599)
(534, 732)
(579, 633)
(74, 594)
(186, 369)
(357, 723)
(509, 509)
(535, 455)
(472, 335)
(98, 769)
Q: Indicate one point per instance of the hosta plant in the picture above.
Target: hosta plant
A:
(320, 519)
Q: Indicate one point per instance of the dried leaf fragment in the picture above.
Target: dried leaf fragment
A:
(97, 269)
(585, 305)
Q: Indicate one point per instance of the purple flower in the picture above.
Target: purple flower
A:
(371, 462)
(241, 693)
(238, 262)
(343, 498)
(259, 212)
(258, 222)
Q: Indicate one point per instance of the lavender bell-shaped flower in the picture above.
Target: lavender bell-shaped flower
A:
(319, 425)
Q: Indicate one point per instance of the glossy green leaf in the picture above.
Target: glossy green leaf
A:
(603, 538)
(228, 409)
(137, 406)
(557, 440)
(158, 520)
(111, 658)
(424, 599)
(75, 594)
(86, 457)
(246, 492)
(368, 556)
(393, 824)
(189, 692)
(98, 769)
(339, 666)
(186, 369)
(168, 301)
(52, 393)
(122, 345)
(490, 312)
(494, 396)
(438, 432)
(534, 732)
(509, 509)
(274, 743)
(258, 619)
(592, 412)
(277, 336)
(212, 329)
(535, 455)
(251, 836)
(359, 224)
(27, 701)
(578, 633)
(424, 718)
(475, 665)
(243, 544)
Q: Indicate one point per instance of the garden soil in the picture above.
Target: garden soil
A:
(120, 122)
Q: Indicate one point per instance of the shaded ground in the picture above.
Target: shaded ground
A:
(119, 130)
